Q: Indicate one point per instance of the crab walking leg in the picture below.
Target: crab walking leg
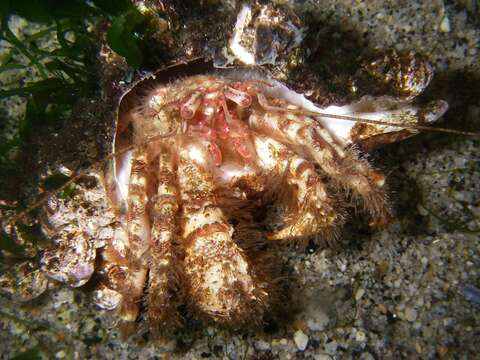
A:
(163, 277)
(138, 237)
(343, 165)
(221, 282)
(310, 211)
(113, 270)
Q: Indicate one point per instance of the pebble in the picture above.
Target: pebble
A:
(382, 308)
(322, 357)
(421, 210)
(301, 340)
(411, 314)
(366, 356)
(317, 321)
(445, 25)
(299, 325)
(261, 345)
(331, 347)
(472, 294)
(359, 294)
(360, 336)
(60, 355)
(418, 347)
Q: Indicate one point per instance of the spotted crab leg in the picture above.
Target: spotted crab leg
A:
(220, 280)
(138, 238)
(343, 165)
(310, 211)
(163, 273)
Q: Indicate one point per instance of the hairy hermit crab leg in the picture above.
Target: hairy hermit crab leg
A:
(342, 165)
(163, 284)
(220, 280)
(310, 211)
(352, 117)
(138, 237)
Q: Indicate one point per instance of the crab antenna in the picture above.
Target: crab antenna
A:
(262, 100)
(379, 122)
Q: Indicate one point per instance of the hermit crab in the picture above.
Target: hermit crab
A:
(195, 158)
(207, 166)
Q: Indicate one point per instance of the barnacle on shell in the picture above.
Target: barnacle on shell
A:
(406, 74)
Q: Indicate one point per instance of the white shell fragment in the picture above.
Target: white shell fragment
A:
(386, 109)
(263, 33)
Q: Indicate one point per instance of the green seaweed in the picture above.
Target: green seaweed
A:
(33, 353)
(64, 74)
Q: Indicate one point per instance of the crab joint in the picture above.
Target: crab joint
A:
(216, 153)
(239, 97)
(190, 107)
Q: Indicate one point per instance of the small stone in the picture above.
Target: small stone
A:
(442, 350)
(261, 345)
(418, 347)
(317, 321)
(331, 347)
(299, 325)
(366, 356)
(301, 340)
(421, 210)
(60, 355)
(360, 336)
(359, 294)
(322, 357)
(411, 314)
(445, 25)
(472, 294)
(382, 308)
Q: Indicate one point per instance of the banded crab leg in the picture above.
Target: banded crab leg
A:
(138, 231)
(310, 211)
(163, 284)
(343, 165)
(221, 282)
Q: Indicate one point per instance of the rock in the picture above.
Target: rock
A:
(360, 336)
(366, 356)
(445, 25)
(317, 321)
(422, 211)
(472, 294)
(299, 325)
(301, 340)
(359, 294)
(382, 309)
(261, 345)
(322, 357)
(60, 355)
(411, 314)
